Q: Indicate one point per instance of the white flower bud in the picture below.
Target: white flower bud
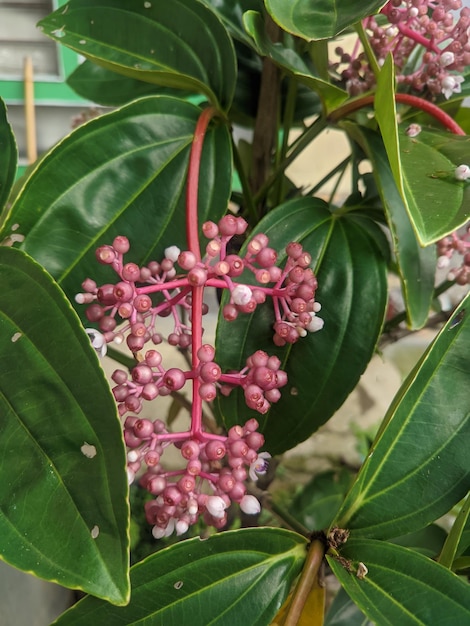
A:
(172, 253)
(216, 506)
(181, 527)
(133, 456)
(130, 476)
(316, 324)
(446, 58)
(462, 172)
(158, 532)
(241, 295)
(250, 505)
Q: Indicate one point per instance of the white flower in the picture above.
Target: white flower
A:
(241, 295)
(450, 85)
(97, 341)
(462, 172)
(250, 505)
(259, 467)
(315, 324)
(172, 253)
(446, 58)
(181, 527)
(216, 506)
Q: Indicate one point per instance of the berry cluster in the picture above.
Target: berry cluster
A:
(260, 380)
(291, 288)
(415, 25)
(447, 247)
(216, 468)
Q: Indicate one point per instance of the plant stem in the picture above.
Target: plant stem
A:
(286, 126)
(192, 226)
(295, 149)
(289, 519)
(309, 579)
(265, 131)
(403, 98)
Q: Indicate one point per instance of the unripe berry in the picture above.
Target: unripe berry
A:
(123, 291)
(215, 450)
(238, 491)
(186, 483)
(174, 379)
(94, 312)
(228, 225)
(106, 295)
(156, 485)
(187, 260)
(131, 272)
(142, 303)
(267, 257)
(210, 372)
(153, 358)
(107, 324)
(230, 312)
(206, 353)
(210, 230)
(143, 428)
(142, 374)
(152, 458)
(121, 244)
(236, 265)
(105, 255)
(208, 392)
(190, 449)
(197, 276)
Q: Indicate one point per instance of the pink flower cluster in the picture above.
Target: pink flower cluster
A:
(216, 468)
(430, 47)
(291, 288)
(456, 244)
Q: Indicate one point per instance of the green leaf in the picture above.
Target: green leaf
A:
(323, 368)
(318, 502)
(231, 13)
(8, 156)
(343, 612)
(105, 87)
(321, 19)
(417, 265)
(418, 467)
(427, 541)
(121, 166)
(288, 59)
(234, 578)
(402, 586)
(438, 204)
(454, 539)
(64, 510)
(181, 44)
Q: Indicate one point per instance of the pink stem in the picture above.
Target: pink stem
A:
(192, 226)
(403, 98)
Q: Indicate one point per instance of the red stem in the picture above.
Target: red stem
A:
(192, 226)
(402, 98)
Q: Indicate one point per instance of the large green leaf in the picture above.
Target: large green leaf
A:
(438, 204)
(231, 579)
(8, 156)
(423, 167)
(343, 612)
(348, 256)
(418, 466)
(63, 488)
(320, 19)
(231, 13)
(402, 586)
(121, 174)
(108, 88)
(417, 265)
(288, 59)
(180, 44)
(318, 502)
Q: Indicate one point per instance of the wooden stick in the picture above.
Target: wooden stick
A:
(30, 114)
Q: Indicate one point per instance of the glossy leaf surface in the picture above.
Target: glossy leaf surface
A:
(438, 204)
(108, 88)
(418, 466)
(124, 175)
(348, 258)
(423, 167)
(319, 19)
(237, 578)
(182, 44)
(417, 265)
(343, 612)
(318, 502)
(288, 59)
(8, 156)
(63, 493)
(401, 586)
